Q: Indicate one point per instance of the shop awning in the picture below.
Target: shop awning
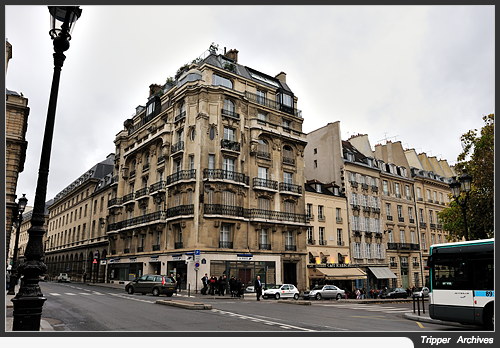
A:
(382, 272)
(339, 273)
(314, 253)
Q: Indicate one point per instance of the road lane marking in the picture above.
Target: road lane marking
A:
(69, 293)
(54, 294)
(263, 321)
(420, 324)
(84, 294)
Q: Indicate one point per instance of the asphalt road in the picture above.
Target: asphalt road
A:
(79, 307)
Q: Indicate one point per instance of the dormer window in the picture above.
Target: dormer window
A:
(150, 109)
(350, 157)
(318, 188)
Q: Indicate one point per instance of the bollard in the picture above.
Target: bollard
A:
(423, 304)
(413, 304)
(418, 306)
(189, 290)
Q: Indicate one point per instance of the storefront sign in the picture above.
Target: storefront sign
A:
(177, 257)
(154, 259)
(103, 262)
(114, 260)
(133, 259)
(333, 265)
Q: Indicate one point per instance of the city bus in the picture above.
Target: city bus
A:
(461, 282)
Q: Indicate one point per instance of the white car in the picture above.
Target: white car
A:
(421, 292)
(281, 291)
(63, 277)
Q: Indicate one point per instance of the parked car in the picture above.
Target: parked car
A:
(421, 292)
(279, 291)
(394, 293)
(324, 291)
(63, 277)
(152, 283)
(251, 288)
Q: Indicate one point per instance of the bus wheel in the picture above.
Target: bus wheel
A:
(489, 318)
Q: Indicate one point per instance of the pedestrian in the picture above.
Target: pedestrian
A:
(204, 280)
(258, 288)
(232, 286)
(358, 294)
(7, 280)
(239, 287)
(84, 277)
(178, 279)
(213, 283)
(222, 284)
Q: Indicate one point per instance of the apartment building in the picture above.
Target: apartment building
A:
(210, 178)
(432, 194)
(329, 259)
(16, 125)
(77, 241)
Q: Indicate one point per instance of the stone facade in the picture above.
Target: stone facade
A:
(213, 162)
(16, 124)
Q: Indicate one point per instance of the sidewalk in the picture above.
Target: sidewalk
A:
(9, 319)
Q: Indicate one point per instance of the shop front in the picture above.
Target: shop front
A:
(379, 277)
(344, 276)
(123, 270)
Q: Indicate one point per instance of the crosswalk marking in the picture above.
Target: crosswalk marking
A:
(69, 293)
(55, 294)
(370, 308)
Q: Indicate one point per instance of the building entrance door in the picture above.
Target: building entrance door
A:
(404, 278)
(290, 273)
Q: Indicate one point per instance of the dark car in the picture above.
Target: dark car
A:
(152, 283)
(394, 293)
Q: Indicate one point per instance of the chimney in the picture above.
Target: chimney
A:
(154, 88)
(281, 76)
(232, 54)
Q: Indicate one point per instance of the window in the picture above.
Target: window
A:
(261, 97)
(229, 198)
(263, 173)
(228, 165)
(408, 192)
(285, 99)
(191, 162)
(354, 198)
(225, 234)
(289, 240)
(192, 134)
(385, 187)
(433, 238)
(320, 212)
(400, 211)
(315, 163)
(339, 236)
(262, 117)
(263, 148)
(288, 178)
(431, 217)
(101, 206)
(388, 209)
(229, 134)
(368, 248)
(402, 237)
(287, 124)
(211, 161)
(264, 203)
(338, 214)
(423, 241)
(429, 197)
(150, 108)
(211, 133)
(322, 236)
(289, 207)
(410, 213)
(421, 215)
(309, 209)
(357, 250)
(378, 251)
(396, 189)
(263, 238)
(180, 135)
(310, 235)
(229, 106)
(413, 237)
(390, 236)
(221, 81)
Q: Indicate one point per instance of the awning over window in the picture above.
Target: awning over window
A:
(338, 273)
(314, 253)
(382, 272)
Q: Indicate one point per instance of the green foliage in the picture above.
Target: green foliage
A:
(477, 159)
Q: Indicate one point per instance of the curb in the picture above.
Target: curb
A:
(426, 319)
(184, 304)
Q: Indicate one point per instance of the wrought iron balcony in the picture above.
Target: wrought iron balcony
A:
(264, 246)
(309, 217)
(366, 208)
(222, 174)
(389, 217)
(160, 185)
(353, 183)
(310, 241)
(230, 145)
(256, 214)
(375, 210)
(161, 159)
(156, 247)
(141, 192)
(145, 167)
(322, 242)
(290, 188)
(180, 116)
(221, 209)
(401, 219)
(177, 147)
(402, 246)
(355, 206)
(128, 198)
(114, 201)
(364, 186)
(180, 210)
(289, 247)
(224, 244)
(340, 243)
(289, 160)
(229, 113)
(255, 98)
(393, 264)
(265, 183)
(181, 175)
(178, 245)
(263, 154)
(423, 224)
(152, 217)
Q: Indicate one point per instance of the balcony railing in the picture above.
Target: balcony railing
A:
(389, 217)
(263, 154)
(374, 188)
(224, 244)
(264, 246)
(229, 113)
(364, 186)
(221, 209)
(160, 185)
(310, 241)
(145, 167)
(161, 159)
(225, 175)
(393, 264)
(271, 104)
(289, 247)
(276, 215)
(375, 210)
(129, 197)
(180, 116)
(289, 160)
(180, 210)
(230, 145)
(401, 219)
(265, 183)
(178, 245)
(156, 247)
(290, 188)
(140, 193)
(309, 217)
(181, 175)
(156, 216)
(340, 243)
(178, 147)
(322, 242)
(403, 246)
(114, 201)
(423, 224)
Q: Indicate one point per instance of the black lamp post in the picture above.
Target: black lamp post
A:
(21, 205)
(463, 185)
(29, 300)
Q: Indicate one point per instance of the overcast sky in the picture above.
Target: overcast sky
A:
(423, 75)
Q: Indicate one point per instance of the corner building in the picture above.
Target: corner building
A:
(210, 179)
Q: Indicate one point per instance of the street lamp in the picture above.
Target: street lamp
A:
(29, 300)
(462, 185)
(21, 205)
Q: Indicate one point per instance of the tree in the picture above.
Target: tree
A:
(477, 159)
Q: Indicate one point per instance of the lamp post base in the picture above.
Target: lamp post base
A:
(27, 313)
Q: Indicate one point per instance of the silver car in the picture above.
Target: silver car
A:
(325, 291)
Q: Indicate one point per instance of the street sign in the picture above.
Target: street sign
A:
(197, 265)
(197, 252)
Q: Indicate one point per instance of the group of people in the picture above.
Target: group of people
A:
(213, 285)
